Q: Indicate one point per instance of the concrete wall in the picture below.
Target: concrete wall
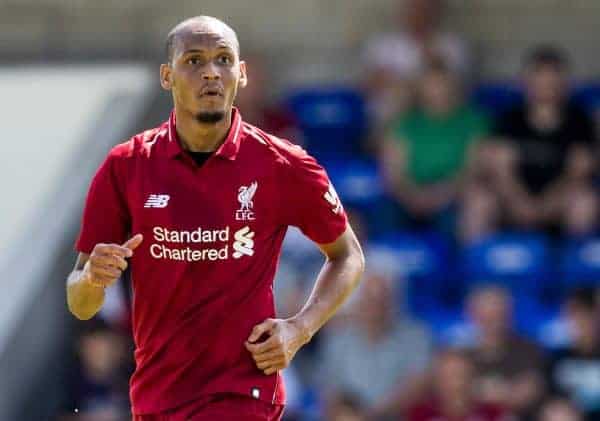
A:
(61, 122)
(321, 37)
(501, 29)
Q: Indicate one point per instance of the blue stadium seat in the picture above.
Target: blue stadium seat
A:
(580, 262)
(333, 119)
(422, 261)
(523, 264)
(530, 318)
(587, 95)
(519, 261)
(497, 97)
(357, 181)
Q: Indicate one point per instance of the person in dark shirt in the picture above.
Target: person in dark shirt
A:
(453, 396)
(97, 383)
(574, 371)
(537, 170)
(508, 367)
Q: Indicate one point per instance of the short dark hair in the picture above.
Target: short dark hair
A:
(546, 55)
(173, 34)
(169, 45)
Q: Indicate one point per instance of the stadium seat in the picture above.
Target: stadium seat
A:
(580, 262)
(332, 119)
(519, 261)
(587, 95)
(522, 263)
(531, 319)
(421, 261)
(357, 181)
(497, 97)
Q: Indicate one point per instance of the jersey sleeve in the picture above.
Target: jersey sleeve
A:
(310, 201)
(105, 216)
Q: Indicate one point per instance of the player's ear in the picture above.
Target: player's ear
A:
(243, 75)
(165, 76)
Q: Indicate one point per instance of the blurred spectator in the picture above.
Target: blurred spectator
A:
(575, 370)
(394, 60)
(378, 357)
(254, 105)
(453, 397)
(508, 368)
(345, 407)
(539, 170)
(117, 304)
(427, 153)
(98, 383)
(559, 409)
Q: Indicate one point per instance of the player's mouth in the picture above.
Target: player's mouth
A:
(211, 92)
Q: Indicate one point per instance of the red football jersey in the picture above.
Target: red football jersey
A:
(203, 275)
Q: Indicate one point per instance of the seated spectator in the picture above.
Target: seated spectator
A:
(508, 368)
(345, 407)
(378, 357)
(98, 384)
(559, 409)
(452, 396)
(575, 370)
(538, 171)
(395, 60)
(427, 153)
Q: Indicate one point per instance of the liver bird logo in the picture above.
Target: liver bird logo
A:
(245, 195)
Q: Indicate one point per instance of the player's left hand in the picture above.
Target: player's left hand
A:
(285, 338)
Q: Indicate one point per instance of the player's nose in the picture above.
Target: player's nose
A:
(210, 72)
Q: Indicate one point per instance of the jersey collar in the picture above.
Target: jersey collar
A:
(228, 148)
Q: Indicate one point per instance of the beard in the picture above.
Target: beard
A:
(210, 116)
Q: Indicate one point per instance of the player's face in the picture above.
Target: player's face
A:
(205, 74)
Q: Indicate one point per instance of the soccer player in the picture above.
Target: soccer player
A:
(199, 207)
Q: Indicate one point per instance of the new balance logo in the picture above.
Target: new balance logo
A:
(157, 201)
(244, 243)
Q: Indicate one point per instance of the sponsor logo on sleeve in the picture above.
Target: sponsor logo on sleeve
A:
(332, 198)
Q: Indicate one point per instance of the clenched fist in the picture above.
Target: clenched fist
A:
(285, 338)
(107, 262)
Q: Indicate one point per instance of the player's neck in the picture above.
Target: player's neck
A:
(201, 137)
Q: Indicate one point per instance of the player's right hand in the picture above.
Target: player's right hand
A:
(107, 262)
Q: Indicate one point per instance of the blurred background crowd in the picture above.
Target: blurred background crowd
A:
(475, 196)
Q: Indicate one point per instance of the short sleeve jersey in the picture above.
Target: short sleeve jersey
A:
(203, 274)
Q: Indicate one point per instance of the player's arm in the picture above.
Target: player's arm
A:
(93, 273)
(336, 281)
(338, 278)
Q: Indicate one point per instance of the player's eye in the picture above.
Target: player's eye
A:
(224, 59)
(193, 60)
